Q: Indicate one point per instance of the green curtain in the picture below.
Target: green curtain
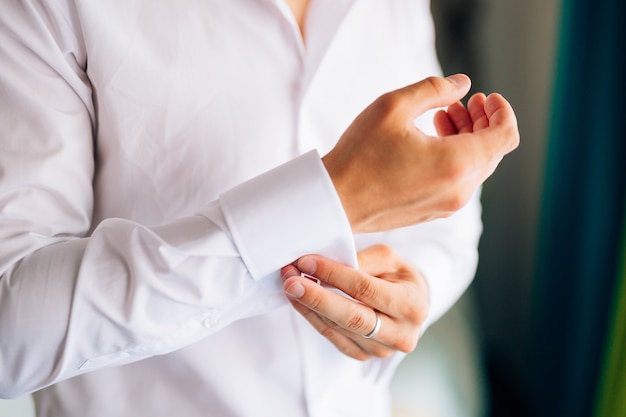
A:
(582, 216)
(611, 396)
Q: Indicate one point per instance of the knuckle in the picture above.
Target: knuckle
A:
(417, 313)
(329, 332)
(422, 313)
(328, 272)
(387, 103)
(438, 84)
(357, 322)
(384, 250)
(509, 138)
(457, 175)
(406, 344)
(452, 168)
(365, 290)
(312, 301)
(456, 201)
(411, 313)
(374, 252)
(416, 310)
(514, 138)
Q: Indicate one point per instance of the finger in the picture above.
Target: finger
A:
(443, 124)
(359, 285)
(387, 340)
(348, 343)
(460, 117)
(501, 114)
(492, 143)
(350, 315)
(476, 108)
(433, 92)
(289, 271)
(377, 260)
(342, 342)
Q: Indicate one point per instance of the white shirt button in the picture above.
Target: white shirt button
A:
(210, 320)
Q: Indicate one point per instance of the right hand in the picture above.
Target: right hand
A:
(385, 283)
(389, 174)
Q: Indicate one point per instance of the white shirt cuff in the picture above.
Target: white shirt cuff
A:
(288, 212)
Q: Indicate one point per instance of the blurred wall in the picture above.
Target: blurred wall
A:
(506, 46)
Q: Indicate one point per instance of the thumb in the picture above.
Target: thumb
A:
(433, 92)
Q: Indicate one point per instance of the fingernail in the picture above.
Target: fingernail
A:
(461, 80)
(307, 265)
(295, 290)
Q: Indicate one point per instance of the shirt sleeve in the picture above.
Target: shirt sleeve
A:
(76, 297)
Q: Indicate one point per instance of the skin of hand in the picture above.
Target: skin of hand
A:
(385, 282)
(389, 174)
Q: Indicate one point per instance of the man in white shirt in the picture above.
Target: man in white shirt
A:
(159, 175)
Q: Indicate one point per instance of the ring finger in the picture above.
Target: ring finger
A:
(346, 313)
(350, 343)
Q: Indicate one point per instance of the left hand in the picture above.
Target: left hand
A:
(389, 174)
(385, 283)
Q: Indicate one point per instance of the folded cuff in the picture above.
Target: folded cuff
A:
(283, 214)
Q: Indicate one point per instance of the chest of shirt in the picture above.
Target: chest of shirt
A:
(193, 97)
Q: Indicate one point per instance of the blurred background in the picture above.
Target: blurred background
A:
(542, 331)
(550, 292)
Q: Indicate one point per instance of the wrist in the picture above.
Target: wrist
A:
(346, 191)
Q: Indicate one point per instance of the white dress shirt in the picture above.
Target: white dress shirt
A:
(159, 163)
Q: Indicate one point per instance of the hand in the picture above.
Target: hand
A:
(385, 282)
(389, 174)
